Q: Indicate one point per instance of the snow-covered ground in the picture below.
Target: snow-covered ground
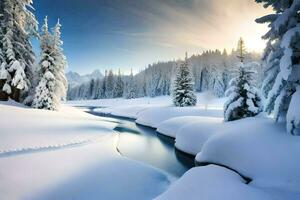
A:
(68, 155)
(157, 112)
(256, 148)
(133, 107)
(71, 154)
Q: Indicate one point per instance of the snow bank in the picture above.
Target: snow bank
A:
(124, 111)
(212, 183)
(293, 114)
(204, 100)
(118, 102)
(26, 128)
(191, 137)
(93, 171)
(152, 111)
(255, 147)
(68, 155)
(260, 149)
(191, 132)
(171, 126)
(153, 117)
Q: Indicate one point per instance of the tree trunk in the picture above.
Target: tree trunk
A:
(15, 95)
(3, 95)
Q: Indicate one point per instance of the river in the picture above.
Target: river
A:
(144, 144)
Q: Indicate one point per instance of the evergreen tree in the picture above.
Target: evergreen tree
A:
(282, 60)
(44, 95)
(52, 84)
(119, 86)
(183, 86)
(219, 85)
(102, 91)
(17, 25)
(211, 69)
(110, 84)
(60, 63)
(243, 98)
(241, 50)
(130, 90)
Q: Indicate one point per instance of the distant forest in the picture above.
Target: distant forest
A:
(212, 71)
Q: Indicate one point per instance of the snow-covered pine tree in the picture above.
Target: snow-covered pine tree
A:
(130, 89)
(219, 84)
(183, 86)
(51, 88)
(60, 63)
(102, 91)
(119, 86)
(282, 57)
(243, 98)
(110, 85)
(44, 94)
(17, 24)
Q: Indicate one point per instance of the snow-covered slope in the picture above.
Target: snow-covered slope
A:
(213, 183)
(256, 148)
(67, 155)
(75, 79)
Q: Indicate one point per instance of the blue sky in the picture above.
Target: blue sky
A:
(105, 34)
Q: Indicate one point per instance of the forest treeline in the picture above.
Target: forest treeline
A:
(212, 71)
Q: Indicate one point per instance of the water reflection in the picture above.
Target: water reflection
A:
(146, 145)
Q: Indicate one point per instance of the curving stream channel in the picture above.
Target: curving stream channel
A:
(146, 145)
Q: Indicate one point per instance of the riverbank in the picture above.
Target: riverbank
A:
(256, 148)
(68, 155)
(149, 147)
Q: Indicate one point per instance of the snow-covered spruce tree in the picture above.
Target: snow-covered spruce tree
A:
(17, 25)
(283, 58)
(243, 98)
(119, 86)
(183, 86)
(60, 63)
(110, 85)
(102, 89)
(219, 82)
(130, 89)
(52, 85)
(44, 94)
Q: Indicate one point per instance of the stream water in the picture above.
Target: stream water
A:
(146, 145)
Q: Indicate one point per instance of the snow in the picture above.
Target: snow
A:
(171, 126)
(293, 115)
(136, 108)
(6, 88)
(74, 79)
(124, 111)
(159, 113)
(192, 136)
(68, 155)
(286, 64)
(92, 171)
(255, 147)
(153, 117)
(191, 132)
(19, 80)
(287, 15)
(212, 183)
(3, 72)
(120, 102)
(69, 125)
(259, 149)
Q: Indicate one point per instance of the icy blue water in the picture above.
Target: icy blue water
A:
(146, 145)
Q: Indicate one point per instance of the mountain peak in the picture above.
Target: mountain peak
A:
(75, 79)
